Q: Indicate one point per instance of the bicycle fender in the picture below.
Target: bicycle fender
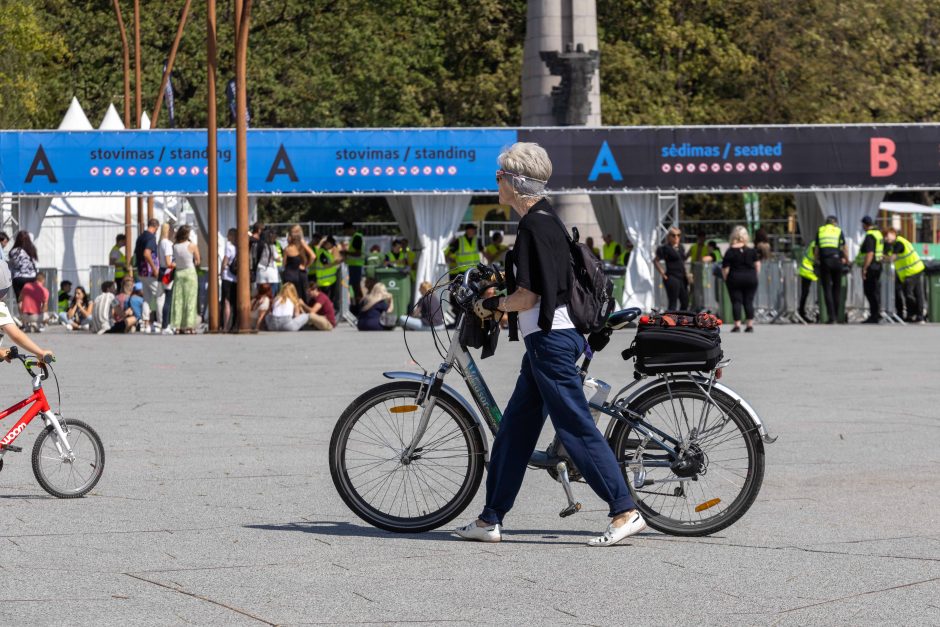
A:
(452, 394)
(751, 412)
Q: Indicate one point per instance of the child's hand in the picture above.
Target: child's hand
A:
(5, 354)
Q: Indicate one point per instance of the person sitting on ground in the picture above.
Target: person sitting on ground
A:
(139, 306)
(79, 313)
(122, 312)
(320, 307)
(8, 324)
(64, 300)
(286, 313)
(260, 306)
(34, 302)
(374, 304)
(103, 312)
(427, 313)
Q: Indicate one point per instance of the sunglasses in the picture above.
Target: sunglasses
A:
(504, 173)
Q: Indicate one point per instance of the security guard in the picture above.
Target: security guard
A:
(869, 258)
(700, 251)
(411, 259)
(355, 257)
(808, 276)
(612, 250)
(118, 258)
(495, 252)
(375, 257)
(909, 270)
(327, 270)
(397, 257)
(832, 254)
(464, 252)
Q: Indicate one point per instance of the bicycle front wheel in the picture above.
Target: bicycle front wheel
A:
(405, 495)
(709, 485)
(63, 475)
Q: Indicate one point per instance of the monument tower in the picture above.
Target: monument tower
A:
(561, 82)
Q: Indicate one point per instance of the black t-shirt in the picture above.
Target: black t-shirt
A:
(145, 241)
(740, 263)
(894, 249)
(541, 258)
(674, 258)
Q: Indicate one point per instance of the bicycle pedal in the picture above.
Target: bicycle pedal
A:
(11, 448)
(571, 509)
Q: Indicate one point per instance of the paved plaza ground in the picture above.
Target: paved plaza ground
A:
(216, 505)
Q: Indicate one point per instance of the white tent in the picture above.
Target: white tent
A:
(77, 232)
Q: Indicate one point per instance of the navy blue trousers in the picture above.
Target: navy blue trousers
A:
(549, 384)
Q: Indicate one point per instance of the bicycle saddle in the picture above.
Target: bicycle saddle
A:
(620, 319)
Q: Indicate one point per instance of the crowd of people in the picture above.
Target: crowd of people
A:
(296, 281)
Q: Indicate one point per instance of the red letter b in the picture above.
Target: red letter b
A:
(883, 162)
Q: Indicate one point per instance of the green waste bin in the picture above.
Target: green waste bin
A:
(398, 283)
(725, 310)
(933, 292)
(617, 276)
(821, 300)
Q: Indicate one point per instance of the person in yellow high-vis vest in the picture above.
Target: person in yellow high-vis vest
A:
(832, 254)
(611, 250)
(411, 258)
(909, 270)
(117, 258)
(807, 272)
(495, 251)
(869, 258)
(464, 252)
(327, 269)
(355, 258)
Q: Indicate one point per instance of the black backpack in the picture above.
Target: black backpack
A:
(591, 299)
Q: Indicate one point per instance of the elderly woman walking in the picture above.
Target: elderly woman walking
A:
(549, 382)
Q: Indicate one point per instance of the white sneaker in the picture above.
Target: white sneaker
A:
(145, 328)
(168, 331)
(481, 534)
(613, 535)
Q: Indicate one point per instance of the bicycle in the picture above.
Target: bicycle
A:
(68, 456)
(408, 456)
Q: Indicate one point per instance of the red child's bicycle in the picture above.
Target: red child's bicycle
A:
(68, 457)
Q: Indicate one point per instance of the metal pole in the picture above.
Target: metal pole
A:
(128, 231)
(213, 226)
(138, 102)
(166, 77)
(243, 13)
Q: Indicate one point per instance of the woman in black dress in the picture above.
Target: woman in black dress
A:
(740, 268)
(672, 254)
(297, 257)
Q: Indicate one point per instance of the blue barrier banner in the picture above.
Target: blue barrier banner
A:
(449, 160)
(279, 161)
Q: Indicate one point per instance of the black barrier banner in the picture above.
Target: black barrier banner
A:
(691, 159)
(442, 160)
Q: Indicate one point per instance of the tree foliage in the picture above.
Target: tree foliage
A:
(347, 63)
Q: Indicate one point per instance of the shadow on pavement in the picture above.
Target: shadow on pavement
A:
(345, 529)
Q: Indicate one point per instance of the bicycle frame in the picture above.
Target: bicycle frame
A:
(616, 410)
(38, 405)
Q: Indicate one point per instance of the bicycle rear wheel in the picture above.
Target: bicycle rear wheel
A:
(715, 482)
(405, 496)
(59, 474)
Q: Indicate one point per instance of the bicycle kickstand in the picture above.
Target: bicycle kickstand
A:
(573, 506)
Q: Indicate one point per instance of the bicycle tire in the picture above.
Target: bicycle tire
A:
(427, 520)
(623, 448)
(48, 479)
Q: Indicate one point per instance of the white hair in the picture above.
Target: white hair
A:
(739, 234)
(531, 166)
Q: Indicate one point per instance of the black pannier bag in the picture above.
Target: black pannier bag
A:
(676, 342)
